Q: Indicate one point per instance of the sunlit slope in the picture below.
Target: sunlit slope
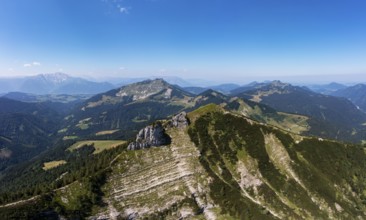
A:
(253, 164)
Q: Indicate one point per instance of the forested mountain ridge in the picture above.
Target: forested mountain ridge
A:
(356, 94)
(131, 107)
(330, 116)
(26, 130)
(120, 113)
(222, 165)
(127, 109)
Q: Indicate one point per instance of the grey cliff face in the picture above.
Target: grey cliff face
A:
(154, 135)
(180, 120)
(150, 136)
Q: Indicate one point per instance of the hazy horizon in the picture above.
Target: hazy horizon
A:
(201, 82)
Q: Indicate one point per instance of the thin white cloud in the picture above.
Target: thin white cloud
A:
(122, 68)
(123, 10)
(32, 64)
(116, 4)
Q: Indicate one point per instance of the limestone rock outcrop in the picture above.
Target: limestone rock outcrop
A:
(154, 135)
(180, 120)
(150, 136)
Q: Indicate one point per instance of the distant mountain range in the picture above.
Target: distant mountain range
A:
(130, 107)
(356, 94)
(54, 83)
(61, 83)
(127, 109)
(331, 116)
(28, 97)
(327, 89)
(223, 88)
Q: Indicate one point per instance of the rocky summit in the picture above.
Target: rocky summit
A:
(154, 135)
(180, 120)
(150, 136)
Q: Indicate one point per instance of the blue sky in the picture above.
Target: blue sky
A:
(217, 39)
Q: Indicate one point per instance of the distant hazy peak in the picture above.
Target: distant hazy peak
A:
(211, 92)
(144, 89)
(273, 85)
(54, 77)
(335, 84)
(156, 81)
(278, 83)
(149, 83)
(359, 86)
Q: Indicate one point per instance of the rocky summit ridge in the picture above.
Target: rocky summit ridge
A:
(180, 120)
(150, 136)
(154, 135)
